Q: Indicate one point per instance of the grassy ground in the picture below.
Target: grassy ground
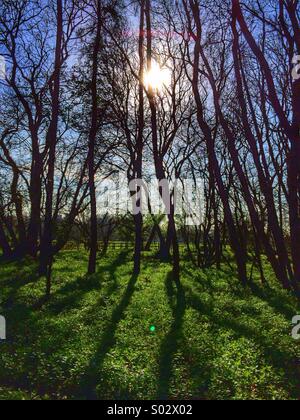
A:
(213, 340)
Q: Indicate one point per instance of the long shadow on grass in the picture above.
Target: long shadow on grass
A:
(278, 357)
(171, 342)
(69, 295)
(11, 284)
(274, 299)
(107, 342)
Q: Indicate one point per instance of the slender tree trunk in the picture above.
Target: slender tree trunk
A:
(294, 188)
(150, 239)
(48, 275)
(176, 251)
(281, 268)
(138, 161)
(92, 145)
(291, 131)
(158, 156)
(51, 142)
(35, 193)
(4, 244)
(17, 199)
(164, 248)
(214, 168)
(294, 159)
(138, 243)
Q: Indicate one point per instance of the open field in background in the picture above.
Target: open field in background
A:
(213, 339)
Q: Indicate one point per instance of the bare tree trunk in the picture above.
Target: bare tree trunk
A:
(294, 191)
(92, 144)
(214, 168)
(158, 156)
(281, 268)
(17, 199)
(51, 142)
(150, 239)
(138, 160)
(291, 131)
(4, 244)
(35, 193)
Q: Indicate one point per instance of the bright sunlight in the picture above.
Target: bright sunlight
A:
(157, 78)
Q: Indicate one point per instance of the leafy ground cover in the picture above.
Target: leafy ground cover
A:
(115, 336)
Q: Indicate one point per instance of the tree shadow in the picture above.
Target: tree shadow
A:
(170, 344)
(201, 279)
(69, 295)
(278, 357)
(275, 299)
(12, 286)
(107, 342)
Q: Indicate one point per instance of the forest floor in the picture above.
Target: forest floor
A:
(95, 338)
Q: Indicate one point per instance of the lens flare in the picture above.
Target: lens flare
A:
(157, 78)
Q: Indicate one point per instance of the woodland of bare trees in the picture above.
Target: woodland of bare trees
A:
(76, 108)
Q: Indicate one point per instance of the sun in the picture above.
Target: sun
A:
(157, 78)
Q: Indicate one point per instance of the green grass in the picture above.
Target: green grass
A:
(212, 339)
